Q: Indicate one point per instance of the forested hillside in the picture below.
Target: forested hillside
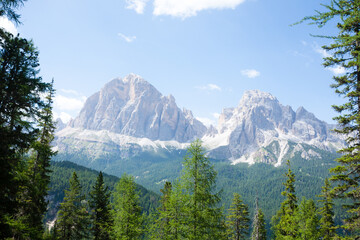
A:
(61, 173)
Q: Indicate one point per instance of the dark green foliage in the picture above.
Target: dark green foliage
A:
(34, 190)
(22, 112)
(8, 7)
(238, 219)
(102, 221)
(73, 217)
(327, 224)
(127, 211)
(345, 52)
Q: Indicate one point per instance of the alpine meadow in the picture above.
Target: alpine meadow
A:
(85, 154)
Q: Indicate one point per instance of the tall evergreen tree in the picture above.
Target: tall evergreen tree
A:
(327, 224)
(204, 217)
(259, 230)
(284, 222)
(20, 109)
(102, 221)
(73, 217)
(344, 52)
(127, 211)
(238, 219)
(32, 193)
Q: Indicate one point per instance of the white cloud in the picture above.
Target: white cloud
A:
(209, 121)
(337, 70)
(70, 91)
(206, 121)
(210, 87)
(69, 103)
(250, 73)
(128, 39)
(322, 52)
(8, 25)
(137, 5)
(188, 8)
(65, 117)
(216, 115)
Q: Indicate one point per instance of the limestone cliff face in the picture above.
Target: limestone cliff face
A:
(133, 107)
(260, 129)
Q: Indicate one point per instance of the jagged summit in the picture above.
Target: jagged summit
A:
(260, 120)
(256, 97)
(133, 107)
(129, 115)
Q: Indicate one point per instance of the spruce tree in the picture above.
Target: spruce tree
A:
(127, 211)
(32, 193)
(102, 221)
(197, 182)
(238, 219)
(73, 221)
(344, 51)
(284, 222)
(259, 230)
(20, 109)
(327, 224)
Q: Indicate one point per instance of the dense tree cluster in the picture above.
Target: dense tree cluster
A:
(26, 131)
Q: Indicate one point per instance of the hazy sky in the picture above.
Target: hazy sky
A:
(205, 53)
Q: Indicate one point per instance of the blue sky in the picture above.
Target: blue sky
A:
(205, 53)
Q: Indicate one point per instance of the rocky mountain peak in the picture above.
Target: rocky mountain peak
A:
(256, 97)
(133, 107)
(260, 119)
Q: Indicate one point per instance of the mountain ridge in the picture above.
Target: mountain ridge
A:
(128, 115)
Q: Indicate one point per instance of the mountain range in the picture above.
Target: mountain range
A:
(128, 117)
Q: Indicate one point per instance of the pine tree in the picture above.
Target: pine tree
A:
(259, 230)
(73, 217)
(20, 109)
(204, 218)
(344, 52)
(238, 219)
(284, 222)
(327, 224)
(127, 211)
(308, 220)
(102, 221)
(32, 193)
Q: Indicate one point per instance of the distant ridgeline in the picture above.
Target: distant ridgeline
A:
(62, 172)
